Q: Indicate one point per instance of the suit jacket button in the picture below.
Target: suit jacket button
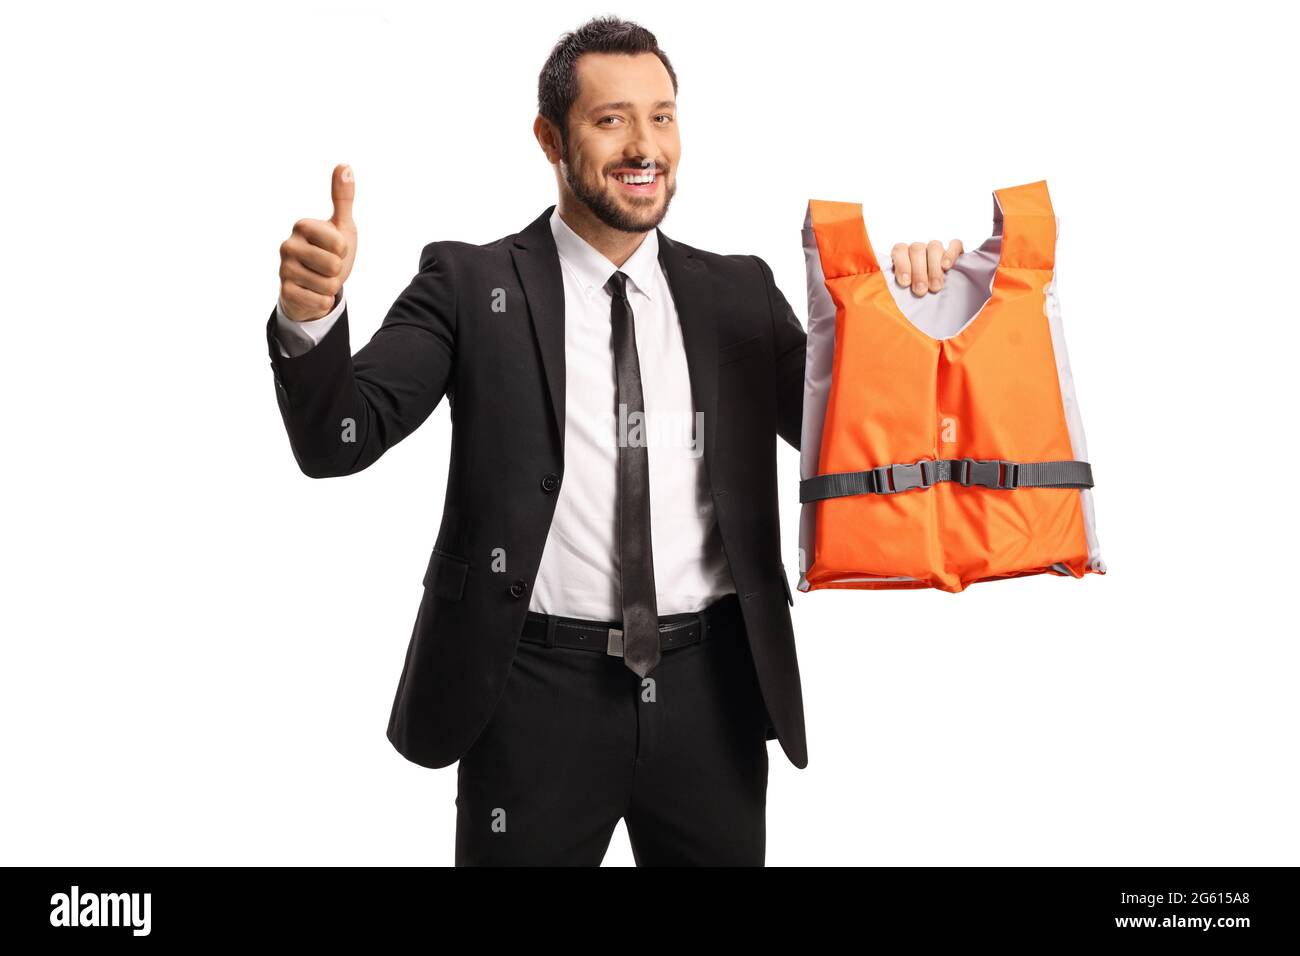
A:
(518, 588)
(550, 482)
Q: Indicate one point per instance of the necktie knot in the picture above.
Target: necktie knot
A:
(617, 285)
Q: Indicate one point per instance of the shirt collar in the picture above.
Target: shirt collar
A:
(591, 266)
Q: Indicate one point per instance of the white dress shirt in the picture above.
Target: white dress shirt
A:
(579, 571)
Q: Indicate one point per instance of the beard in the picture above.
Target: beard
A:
(609, 211)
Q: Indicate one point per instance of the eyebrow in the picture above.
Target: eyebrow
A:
(625, 105)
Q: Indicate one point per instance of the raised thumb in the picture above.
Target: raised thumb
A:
(342, 189)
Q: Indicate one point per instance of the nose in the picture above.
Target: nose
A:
(640, 145)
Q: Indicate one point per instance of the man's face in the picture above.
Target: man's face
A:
(623, 126)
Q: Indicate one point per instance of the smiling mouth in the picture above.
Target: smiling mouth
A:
(635, 183)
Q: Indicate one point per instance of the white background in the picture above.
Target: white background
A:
(201, 645)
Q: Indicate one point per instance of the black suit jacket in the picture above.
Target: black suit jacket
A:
(503, 374)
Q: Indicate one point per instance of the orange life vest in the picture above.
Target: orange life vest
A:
(941, 460)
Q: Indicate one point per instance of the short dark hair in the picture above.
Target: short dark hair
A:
(557, 84)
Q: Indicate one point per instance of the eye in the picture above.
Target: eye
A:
(667, 116)
(603, 118)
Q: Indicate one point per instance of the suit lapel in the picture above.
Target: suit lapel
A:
(538, 265)
(688, 280)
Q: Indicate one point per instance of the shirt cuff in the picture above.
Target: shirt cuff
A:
(297, 338)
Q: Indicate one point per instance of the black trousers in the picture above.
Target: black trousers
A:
(578, 742)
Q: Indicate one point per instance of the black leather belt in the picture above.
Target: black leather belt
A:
(675, 630)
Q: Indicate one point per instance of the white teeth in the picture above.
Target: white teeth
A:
(632, 180)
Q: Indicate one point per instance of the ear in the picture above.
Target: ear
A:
(548, 137)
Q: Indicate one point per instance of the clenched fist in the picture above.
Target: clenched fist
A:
(317, 258)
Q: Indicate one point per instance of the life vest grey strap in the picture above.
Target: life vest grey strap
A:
(993, 473)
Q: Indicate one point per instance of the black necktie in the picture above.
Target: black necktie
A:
(636, 564)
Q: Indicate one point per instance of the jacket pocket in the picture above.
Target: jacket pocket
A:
(445, 575)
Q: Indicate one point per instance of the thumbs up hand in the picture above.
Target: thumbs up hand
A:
(317, 257)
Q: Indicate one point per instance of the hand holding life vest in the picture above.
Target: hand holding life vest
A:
(317, 257)
(922, 264)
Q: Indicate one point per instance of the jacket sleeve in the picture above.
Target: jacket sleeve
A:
(342, 411)
(791, 342)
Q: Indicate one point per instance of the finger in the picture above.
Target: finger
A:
(293, 271)
(920, 271)
(934, 263)
(955, 249)
(323, 234)
(318, 260)
(305, 301)
(902, 265)
(342, 189)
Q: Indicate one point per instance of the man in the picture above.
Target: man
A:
(605, 630)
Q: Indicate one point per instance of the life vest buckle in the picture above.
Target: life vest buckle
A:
(902, 477)
(993, 473)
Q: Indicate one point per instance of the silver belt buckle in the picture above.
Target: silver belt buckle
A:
(614, 646)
